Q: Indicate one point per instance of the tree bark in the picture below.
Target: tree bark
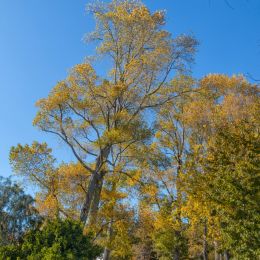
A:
(106, 254)
(95, 186)
(205, 243)
(176, 254)
(226, 255)
(216, 251)
(107, 251)
(89, 197)
(96, 199)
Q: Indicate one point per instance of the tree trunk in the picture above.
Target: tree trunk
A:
(106, 254)
(96, 199)
(205, 243)
(96, 181)
(93, 182)
(226, 255)
(176, 254)
(107, 251)
(216, 251)
(178, 202)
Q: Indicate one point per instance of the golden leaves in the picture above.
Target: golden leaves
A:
(112, 195)
(134, 177)
(47, 205)
(71, 92)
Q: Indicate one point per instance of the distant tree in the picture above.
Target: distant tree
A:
(54, 240)
(17, 212)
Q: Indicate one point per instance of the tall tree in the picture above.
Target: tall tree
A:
(172, 141)
(95, 116)
(223, 176)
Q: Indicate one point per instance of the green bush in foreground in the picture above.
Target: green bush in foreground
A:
(55, 240)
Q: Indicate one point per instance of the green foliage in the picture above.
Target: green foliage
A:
(17, 213)
(54, 240)
(233, 188)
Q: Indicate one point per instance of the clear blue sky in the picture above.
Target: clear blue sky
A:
(41, 39)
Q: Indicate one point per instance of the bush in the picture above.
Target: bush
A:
(55, 240)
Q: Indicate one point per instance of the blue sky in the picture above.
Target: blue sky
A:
(40, 40)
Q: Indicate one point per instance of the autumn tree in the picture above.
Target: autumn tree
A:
(60, 189)
(224, 120)
(143, 246)
(172, 141)
(97, 117)
(233, 186)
